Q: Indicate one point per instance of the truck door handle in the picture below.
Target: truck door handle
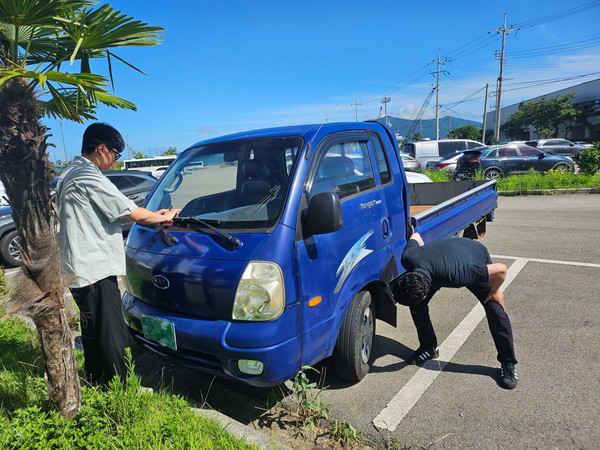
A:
(385, 228)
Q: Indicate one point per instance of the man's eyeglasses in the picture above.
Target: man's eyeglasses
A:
(117, 154)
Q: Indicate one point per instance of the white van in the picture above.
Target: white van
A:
(424, 151)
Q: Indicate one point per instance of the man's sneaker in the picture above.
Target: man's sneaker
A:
(423, 354)
(508, 376)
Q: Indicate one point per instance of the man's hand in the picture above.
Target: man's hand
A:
(170, 214)
(497, 297)
(417, 237)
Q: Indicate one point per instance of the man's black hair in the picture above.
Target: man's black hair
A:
(101, 133)
(412, 288)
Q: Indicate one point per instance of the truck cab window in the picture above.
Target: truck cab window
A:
(382, 163)
(345, 169)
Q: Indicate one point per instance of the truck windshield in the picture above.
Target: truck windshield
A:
(235, 184)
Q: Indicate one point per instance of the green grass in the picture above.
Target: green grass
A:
(532, 182)
(118, 416)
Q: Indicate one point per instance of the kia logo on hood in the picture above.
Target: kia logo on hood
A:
(161, 282)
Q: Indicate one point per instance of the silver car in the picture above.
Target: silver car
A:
(448, 162)
(410, 163)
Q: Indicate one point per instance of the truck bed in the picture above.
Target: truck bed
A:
(445, 209)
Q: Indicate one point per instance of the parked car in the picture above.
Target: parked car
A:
(156, 173)
(432, 150)
(557, 147)
(446, 163)
(135, 184)
(501, 160)
(414, 177)
(9, 238)
(410, 164)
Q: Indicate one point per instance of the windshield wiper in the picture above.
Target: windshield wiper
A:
(207, 223)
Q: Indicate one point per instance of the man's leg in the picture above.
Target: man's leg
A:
(112, 328)
(425, 332)
(422, 321)
(104, 333)
(87, 303)
(498, 323)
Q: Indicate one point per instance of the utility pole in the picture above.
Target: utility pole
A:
(356, 104)
(485, 112)
(504, 32)
(385, 101)
(437, 92)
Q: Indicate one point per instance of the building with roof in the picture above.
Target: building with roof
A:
(587, 99)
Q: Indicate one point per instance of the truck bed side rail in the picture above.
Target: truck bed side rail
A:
(454, 215)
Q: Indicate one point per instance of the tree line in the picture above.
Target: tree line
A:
(544, 117)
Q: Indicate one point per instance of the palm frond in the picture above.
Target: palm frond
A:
(105, 28)
(88, 81)
(37, 13)
(113, 101)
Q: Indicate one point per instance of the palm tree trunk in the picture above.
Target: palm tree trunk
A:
(25, 173)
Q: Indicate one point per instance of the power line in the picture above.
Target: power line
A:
(559, 15)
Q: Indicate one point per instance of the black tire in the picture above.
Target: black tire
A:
(493, 174)
(9, 248)
(562, 167)
(354, 348)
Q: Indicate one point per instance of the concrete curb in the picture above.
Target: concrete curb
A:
(551, 192)
(240, 430)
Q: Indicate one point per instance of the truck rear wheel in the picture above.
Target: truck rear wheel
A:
(354, 348)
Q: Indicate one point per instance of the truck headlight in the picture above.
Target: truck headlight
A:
(260, 292)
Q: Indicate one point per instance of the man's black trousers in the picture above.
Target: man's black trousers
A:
(498, 322)
(103, 329)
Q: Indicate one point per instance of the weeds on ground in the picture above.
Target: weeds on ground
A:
(117, 416)
(439, 175)
(345, 433)
(551, 180)
(310, 410)
(3, 285)
(532, 181)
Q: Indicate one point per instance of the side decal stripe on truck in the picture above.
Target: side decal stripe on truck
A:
(356, 254)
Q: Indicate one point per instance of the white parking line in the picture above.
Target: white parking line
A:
(549, 261)
(391, 416)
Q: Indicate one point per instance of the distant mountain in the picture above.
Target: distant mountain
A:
(427, 126)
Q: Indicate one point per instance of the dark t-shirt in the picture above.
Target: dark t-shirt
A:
(450, 262)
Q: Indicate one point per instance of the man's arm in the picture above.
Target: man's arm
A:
(417, 237)
(144, 216)
(496, 273)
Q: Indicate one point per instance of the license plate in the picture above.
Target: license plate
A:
(159, 330)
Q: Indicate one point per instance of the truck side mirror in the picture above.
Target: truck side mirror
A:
(324, 214)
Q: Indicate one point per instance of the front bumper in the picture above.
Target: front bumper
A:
(202, 345)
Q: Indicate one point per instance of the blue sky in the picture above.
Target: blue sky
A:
(234, 65)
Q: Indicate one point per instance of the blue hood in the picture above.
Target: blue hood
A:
(202, 275)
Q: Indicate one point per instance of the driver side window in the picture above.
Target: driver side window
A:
(345, 169)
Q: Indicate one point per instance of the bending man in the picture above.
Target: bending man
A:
(455, 262)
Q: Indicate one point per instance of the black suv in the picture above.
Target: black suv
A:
(135, 184)
(557, 147)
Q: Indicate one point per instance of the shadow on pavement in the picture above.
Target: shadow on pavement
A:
(239, 401)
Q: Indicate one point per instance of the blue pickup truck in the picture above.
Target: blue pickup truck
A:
(285, 248)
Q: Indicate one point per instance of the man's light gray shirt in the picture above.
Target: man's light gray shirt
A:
(90, 236)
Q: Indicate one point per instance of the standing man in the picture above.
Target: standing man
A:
(91, 245)
(455, 262)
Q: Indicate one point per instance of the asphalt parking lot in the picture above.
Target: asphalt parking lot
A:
(552, 293)
(551, 246)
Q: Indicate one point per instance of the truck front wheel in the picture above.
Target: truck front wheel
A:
(354, 348)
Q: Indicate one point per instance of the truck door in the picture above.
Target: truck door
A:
(331, 266)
